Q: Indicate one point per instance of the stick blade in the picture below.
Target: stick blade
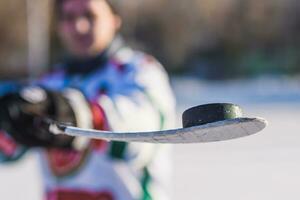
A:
(211, 132)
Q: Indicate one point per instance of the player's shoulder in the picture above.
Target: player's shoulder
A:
(140, 60)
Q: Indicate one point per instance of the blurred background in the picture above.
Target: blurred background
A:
(238, 51)
(215, 39)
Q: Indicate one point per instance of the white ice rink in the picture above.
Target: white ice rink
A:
(265, 166)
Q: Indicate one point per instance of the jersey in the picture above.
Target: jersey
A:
(121, 90)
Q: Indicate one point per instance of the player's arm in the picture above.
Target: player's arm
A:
(10, 150)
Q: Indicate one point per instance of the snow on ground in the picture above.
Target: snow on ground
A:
(261, 167)
(264, 166)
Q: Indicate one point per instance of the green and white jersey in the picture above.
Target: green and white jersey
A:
(128, 91)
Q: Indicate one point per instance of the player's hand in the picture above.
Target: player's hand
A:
(22, 116)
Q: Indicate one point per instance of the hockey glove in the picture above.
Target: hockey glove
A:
(23, 114)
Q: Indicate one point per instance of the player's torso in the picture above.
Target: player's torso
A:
(91, 173)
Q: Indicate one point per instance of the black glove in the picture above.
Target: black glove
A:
(23, 116)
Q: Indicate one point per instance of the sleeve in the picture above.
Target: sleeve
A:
(9, 87)
(9, 149)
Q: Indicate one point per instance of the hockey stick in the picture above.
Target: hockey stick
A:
(210, 132)
(204, 123)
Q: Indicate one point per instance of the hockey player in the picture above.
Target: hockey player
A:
(103, 84)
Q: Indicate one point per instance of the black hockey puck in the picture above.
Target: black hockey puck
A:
(209, 113)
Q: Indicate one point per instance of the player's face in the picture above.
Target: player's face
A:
(86, 27)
